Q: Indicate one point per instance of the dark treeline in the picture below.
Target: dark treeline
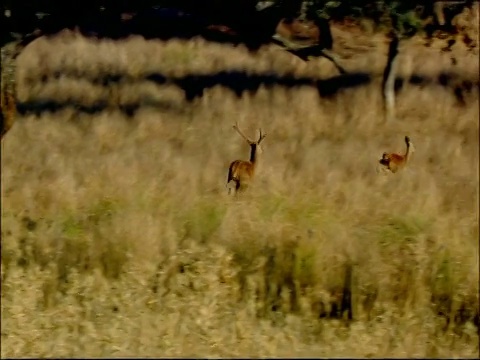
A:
(242, 15)
(250, 22)
(168, 18)
(236, 21)
(68, 14)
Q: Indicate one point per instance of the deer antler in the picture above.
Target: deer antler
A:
(261, 136)
(241, 133)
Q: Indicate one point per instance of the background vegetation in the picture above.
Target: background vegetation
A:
(407, 16)
(118, 238)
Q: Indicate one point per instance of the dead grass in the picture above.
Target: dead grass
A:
(118, 238)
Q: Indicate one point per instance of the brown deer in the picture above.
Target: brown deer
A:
(395, 162)
(241, 172)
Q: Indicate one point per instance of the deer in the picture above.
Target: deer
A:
(395, 162)
(241, 172)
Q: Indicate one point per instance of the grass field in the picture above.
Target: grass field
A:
(119, 239)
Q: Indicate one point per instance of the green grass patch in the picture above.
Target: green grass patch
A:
(400, 229)
(85, 244)
(202, 220)
(303, 212)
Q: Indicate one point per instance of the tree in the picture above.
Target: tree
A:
(403, 23)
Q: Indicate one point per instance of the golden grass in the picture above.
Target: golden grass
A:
(118, 238)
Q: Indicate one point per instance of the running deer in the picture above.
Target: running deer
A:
(395, 162)
(241, 172)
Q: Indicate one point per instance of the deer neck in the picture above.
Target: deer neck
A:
(253, 153)
(407, 152)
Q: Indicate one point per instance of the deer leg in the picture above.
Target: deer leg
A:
(229, 186)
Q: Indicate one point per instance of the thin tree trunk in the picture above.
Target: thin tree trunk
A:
(438, 12)
(389, 76)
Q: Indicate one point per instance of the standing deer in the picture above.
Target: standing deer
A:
(240, 171)
(395, 162)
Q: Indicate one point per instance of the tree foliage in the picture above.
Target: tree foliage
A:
(403, 17)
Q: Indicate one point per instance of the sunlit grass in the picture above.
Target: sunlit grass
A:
(119, 239)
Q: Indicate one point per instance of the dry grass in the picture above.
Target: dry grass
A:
(118, 238)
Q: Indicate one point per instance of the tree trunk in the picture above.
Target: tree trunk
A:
(389, 79)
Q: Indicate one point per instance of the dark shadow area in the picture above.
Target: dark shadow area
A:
(194, 86)
(236, 22)
(159, 79)
(444, 79)
(237, 81)
(459, 85)
(241, 82)
(330, 87)
(39, 107)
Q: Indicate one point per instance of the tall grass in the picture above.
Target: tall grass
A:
(119, 239)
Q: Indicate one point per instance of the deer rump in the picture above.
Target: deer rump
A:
(240, 172)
